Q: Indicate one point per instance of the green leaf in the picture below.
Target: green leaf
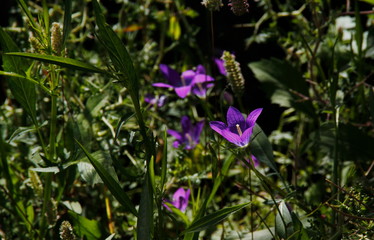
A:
(283, 221)
(96, 102)
(23, 91)
(213, 219)
(261, 148)
(60, 61)
(67, 21)
(117, 52)
(15, 75)
(145, 217)
(84, 227)
(178, 212)
(283, 83)
(110, 182)
(88, 172)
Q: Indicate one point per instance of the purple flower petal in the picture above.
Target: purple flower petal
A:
(180, 199)
(175, 134)
(187, 77)
(218, 126)
(232, 137)
(252, 117)
(197, 131)
(186, 124)
(234, 117)
(221, 66)
(176, 144)
(182, 92)
(200, 69)
(200, 78)
(165, 85)
(246, 136)
(170, 74)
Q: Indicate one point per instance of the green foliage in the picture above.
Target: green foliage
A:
(85, 148)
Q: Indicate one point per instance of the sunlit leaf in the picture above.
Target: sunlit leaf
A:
(213, 219)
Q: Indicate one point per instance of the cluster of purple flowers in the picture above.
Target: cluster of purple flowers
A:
(238, 129)
(195, 81)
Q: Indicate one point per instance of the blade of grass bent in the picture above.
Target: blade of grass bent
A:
(60, 61)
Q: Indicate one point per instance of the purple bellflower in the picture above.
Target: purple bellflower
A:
(189, 81)
(180, 199)
(238, 130)
(221, 66)
(190, 135)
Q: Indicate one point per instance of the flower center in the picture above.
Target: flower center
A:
(189, 138)
(239, 130)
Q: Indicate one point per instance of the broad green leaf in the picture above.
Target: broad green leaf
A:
(213, 219)
(20, 132)
(145, 214)
(261, 148)
(299, 231)
(283, 221)
(110, 182)
(88, 172)
(283, 83)
(60, 61)
(84, 227)
(23, 91)
(96, 102)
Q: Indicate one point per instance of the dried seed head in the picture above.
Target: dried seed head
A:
(234, 73)
(239, 7)
(66, 231)
(56, 38)
(212, 5)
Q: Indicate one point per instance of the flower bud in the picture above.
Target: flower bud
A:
(239, 7)
(35, 44)
(212, 5)
(234, 73)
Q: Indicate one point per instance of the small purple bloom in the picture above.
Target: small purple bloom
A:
(221, 66)
(238, 130)
(158, 101)
(180, 199)
(190, 135)
(190, 80)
